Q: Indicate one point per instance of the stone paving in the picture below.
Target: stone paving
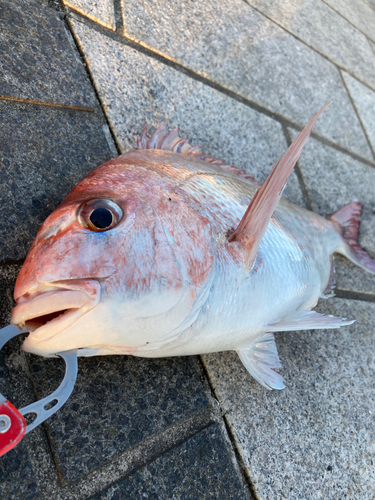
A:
(78, 81)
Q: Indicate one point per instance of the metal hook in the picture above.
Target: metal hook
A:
(12, 423)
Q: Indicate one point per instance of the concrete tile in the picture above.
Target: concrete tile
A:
(364, 100)
(357, 12)
(17, 478)
(325, 30)
(232, 44)
(100, 11)
(199, 468)
(314, 439)
(44, 153)
(371, 3)
(38, 61)
(333, 180)
(117, 402)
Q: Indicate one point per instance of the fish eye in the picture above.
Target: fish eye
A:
(99, 215)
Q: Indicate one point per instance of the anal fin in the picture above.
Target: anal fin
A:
(259, 358)
(307, 320)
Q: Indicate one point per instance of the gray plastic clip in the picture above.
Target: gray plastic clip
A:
(60, 396)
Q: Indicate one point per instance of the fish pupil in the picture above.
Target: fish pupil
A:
(101, 218)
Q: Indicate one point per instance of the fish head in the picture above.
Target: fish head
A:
(117, 266)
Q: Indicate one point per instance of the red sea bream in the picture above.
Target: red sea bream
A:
(166, 252)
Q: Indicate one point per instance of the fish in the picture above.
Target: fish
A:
(164, 251)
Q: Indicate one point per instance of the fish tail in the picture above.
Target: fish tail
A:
(346, 222)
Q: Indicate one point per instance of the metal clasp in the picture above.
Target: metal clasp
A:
(12, 423)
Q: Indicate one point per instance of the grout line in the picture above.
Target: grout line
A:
(298, 171)
(332, 145)
(94, 18)
(371, 7)
(246, 477)
(168, 61)
(42, 103)
(357, 113)
(86, 66)
(346, 19)
(372, 45)
(348, 294)
(119, 19)
(18, 262)
(310, 46)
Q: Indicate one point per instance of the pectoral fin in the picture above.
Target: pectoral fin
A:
(253, 224)
(259, 358)
(307, 320)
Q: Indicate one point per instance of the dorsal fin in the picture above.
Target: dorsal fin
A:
(171, 141)
(253, 224)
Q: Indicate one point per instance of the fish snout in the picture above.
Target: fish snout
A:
(26, 283)
(54, 306)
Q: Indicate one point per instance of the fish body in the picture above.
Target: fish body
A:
(179, 270)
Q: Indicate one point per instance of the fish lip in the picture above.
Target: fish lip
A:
(73, 297)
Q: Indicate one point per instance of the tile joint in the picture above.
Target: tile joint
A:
(43, 103)
(223, 415)
(353, 295)
(298, 171)
(357, 113)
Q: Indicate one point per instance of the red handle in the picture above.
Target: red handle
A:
(12, 427)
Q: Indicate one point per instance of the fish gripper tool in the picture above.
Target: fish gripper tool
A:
(13, 425)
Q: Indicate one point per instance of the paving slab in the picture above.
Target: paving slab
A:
(232, 44)
(314, 439)
(44, 153)
(17, 476)
(357, 12)
(334, 179)
(117, 402)
(198, 468)
(371, 3)
(100, 11)
(37, 59)
(325, 30)
(364, 101)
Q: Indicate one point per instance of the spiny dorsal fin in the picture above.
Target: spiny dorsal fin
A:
(171, 141)
(253, 224)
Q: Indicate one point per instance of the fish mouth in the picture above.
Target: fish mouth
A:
(52, 307)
